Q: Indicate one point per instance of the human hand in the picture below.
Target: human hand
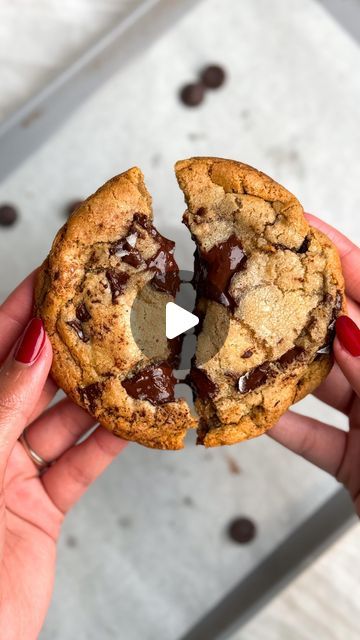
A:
(331, 449)
(33, 506)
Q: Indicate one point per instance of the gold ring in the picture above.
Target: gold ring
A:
(38, 461)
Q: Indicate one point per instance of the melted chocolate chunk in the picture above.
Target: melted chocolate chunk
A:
(142, 220)
(125, 249)
(90, 394)
(133, 258)
(259, 375)
(76, 325)
(154, 383)
(293, 354)
(175, 345)
(201, 384)
(166, 276)
(215, 268)
(166, 271)
(254, 378)
(117, 281)
(247, 354)
(82, 313)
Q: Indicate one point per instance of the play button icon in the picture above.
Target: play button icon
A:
(159, 325)
(178, 320)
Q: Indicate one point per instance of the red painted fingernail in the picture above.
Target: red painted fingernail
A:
(31, 343)
(349, 335)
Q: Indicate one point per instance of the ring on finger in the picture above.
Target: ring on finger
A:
(36, 458)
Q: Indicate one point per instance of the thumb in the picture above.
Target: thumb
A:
(22, 378)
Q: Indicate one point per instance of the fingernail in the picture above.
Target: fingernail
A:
(349, 335)
(31, 343)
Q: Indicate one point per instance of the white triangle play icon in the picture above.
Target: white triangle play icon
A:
(178, 320)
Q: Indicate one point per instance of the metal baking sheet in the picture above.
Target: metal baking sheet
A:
(145, 554)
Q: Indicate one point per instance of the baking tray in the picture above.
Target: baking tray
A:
(95, 119)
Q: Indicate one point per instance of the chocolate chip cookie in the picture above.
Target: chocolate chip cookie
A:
(101, 259)
(273, 281)
(269, 289)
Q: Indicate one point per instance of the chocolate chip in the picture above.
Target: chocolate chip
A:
(8, 215)
(242, 530)
(201, 212)
(192, 94)
(213, 76)
(292, 354)
(175, 345)
(72, 206)
(302, 249)
(247, 354)
(259, 375)
(82, 313)
(134, 259)
(90, 394)
(201, 384)
(305, 245)
(126, 250)
(76, 325)
(141, 219)
(254, 378)
(166, 276)
(166, 271)
(117, 281)
(154, 383)
(214, 269)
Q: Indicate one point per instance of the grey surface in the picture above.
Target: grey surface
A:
(347, 12)
(144, 555)
(26, 129)
(274, 573)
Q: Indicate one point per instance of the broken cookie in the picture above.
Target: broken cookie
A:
(279, 283)
(269, 289)
(106, 256)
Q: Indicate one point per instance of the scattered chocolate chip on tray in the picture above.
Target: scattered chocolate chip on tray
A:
(242, 530)
(8, 215)
(213, 76)
(192, 94)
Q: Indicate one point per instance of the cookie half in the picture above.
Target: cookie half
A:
(105, 257)
(267, 279)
